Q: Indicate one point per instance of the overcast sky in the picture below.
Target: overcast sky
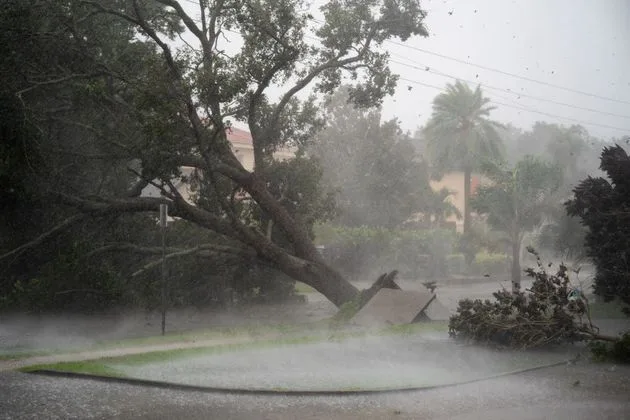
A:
(580, 45)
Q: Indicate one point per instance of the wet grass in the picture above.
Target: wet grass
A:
(252, 332)
(184, 337)
(421, 327)
(22, 353)
(104, 364)
(88, 367)
(304, 288)
(321, 335)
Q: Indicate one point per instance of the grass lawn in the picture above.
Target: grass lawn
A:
(304, 288)
(15, 353)
(249, 331)
(102, 366)
(91, 367)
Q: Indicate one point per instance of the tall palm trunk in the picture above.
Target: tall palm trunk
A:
(516, 246)
(468, 251)
(467, 192)
(516, 263)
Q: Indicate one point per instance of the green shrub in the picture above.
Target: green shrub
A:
(617, 352)
(415, 253)
(456, 263)
(547, 313)
(485, 263)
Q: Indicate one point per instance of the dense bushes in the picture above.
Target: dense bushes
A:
(456, 264)
(617, 352)
(365, 252)
(485, 263)
(72, 275)
(553, 311)
(603, 206)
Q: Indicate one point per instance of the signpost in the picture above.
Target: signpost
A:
(163, 224)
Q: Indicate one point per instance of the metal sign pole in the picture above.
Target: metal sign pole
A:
(163, 223)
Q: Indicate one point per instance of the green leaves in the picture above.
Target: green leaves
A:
(402, 19)
(519, 195)
(603, 205)
(352, 31)
(543, 315)
(382, 181)
(459, 133)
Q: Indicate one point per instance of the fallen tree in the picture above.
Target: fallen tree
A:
(552, 311)
(163, 106)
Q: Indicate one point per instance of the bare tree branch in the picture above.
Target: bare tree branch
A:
(36, 85)
(188, 21)
(241, 252)
(73, 220)
(129, 247)
(335, 62)
(145, 250)
(59, 228)
(137, 188)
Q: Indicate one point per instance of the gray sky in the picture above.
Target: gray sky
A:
(581, 45)
(578, 44)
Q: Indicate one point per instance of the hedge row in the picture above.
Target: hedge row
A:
(363, 252)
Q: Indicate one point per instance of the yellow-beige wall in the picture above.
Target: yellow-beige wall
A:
(454, 181)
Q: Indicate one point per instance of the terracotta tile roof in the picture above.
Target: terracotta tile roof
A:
(236, 135)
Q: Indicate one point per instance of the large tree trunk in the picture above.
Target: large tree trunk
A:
(316, 274)
(305, 265)
(468, 253)
(328, 282)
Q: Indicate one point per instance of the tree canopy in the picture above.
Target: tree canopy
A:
(112, 74)
(380, 179)
(516, 200)
(459, 136)
(603, 206)
(460, 133)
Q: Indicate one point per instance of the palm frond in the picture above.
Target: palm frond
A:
(459, 132)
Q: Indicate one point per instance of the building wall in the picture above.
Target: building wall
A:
(454, 181)
(243, 148)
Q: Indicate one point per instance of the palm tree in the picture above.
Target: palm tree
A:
(460, 134)
(440, 207)
(518, 201)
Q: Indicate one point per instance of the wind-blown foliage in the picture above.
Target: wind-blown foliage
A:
(439, 207)
(603, 205)
(516, 201)
(553, 311)
(380, 179)
(459, 136)
(575, 151)
(460, 133)
(161, 105)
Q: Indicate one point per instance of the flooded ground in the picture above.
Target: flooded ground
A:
(367, 363)
(31, 332)
(581, 391)
(601, 393)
